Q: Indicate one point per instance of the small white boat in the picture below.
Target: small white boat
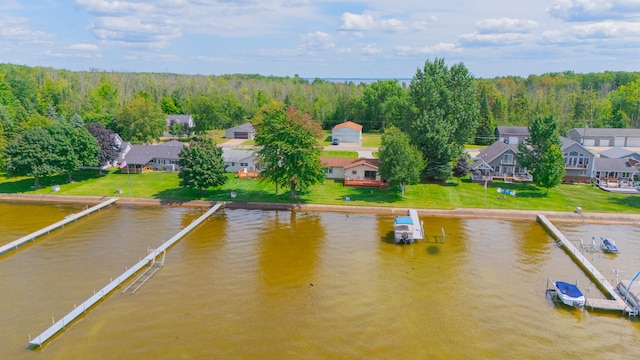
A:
(403, 230)
(609, 246)
(569, 294)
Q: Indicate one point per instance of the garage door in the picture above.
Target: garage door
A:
(633, 142)
(589, 142)
(240, 135)
(619, 141)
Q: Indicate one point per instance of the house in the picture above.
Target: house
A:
(184, 120)
(606, 137)
(512, 134)
(348, 132)
(498, 161)
(354, 172)
(244, 131)
(578, 161)
(615, 172)
(161, 157)
(235, 160)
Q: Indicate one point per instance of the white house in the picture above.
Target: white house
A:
(244, 131)
(235, 160)
(184, 120)
(348, 131)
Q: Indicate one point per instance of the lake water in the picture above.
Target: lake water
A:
(251, 284)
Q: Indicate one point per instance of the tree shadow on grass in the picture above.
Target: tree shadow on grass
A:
(629, 200)
(25, 184)
(523, 190)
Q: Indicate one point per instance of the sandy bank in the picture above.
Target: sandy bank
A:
(585, 216)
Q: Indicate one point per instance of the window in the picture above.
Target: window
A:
(354, 172)
(328, 171)
(507, 158)
(244, 164)
(233, 164)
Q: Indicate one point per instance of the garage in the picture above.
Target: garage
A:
(240, 135)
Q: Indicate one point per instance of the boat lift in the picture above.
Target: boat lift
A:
(155, 265)
(591, 248)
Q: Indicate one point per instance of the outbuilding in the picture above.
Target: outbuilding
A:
(348, 132)
(244, 131)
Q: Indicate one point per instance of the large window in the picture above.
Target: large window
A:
(507, 158)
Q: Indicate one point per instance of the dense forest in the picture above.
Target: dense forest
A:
(37, 96)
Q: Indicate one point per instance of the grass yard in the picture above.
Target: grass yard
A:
(340, 154)
(371, 140)
(448, 195)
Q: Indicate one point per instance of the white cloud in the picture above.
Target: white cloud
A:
(84, 47)
(438, 49)
(607, 30)
(18, 29)
(318, 40)
(355, 22)
(476, 39)
(135, 31)
(505, 25)
(590, 10)
(370, 49)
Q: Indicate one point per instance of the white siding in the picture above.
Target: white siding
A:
(633, 142)
(619, 141)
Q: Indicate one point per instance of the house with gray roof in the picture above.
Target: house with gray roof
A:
(615, 172)
(578, 161)
(185, 120)
(498, 161)
(606, 137)
(244, 131)
(160, 157)
(235, 160)
(620, 153)
(512, 134)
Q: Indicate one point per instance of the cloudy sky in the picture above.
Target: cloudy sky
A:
(322, 38)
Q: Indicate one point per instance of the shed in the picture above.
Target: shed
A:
(512, 134)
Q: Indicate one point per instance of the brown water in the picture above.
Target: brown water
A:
(251, 284)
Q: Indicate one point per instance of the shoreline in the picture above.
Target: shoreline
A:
(476, 213)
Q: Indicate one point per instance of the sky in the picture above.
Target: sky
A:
(323, 38)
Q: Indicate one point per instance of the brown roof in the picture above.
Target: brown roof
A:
(335, 162)
(348, 124)
(374, 163)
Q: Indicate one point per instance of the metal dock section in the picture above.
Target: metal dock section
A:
(616, 303)
(69, 218)
(105, 291)
(418, 231)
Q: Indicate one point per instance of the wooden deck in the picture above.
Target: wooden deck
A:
(365, 183)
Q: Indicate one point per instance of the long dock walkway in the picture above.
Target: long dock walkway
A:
(615, 302)
(73, 217)
(105, 291)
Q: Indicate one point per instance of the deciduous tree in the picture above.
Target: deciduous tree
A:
(33, 154)
(400, 162)
(108, 153)
(288, 147)
(444, 114)
(201, 165)
(141, 121)
(541, 154)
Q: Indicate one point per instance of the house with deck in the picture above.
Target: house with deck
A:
(498, 161)
(160, 157)
(512, 134)
(244, 131)
(578, 161)
(620, 153)
(348, 132)
(605, 137)
(615, 173)
(354, 172)
(244, 160)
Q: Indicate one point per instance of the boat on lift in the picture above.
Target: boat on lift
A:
(569, 294)
(609, 246)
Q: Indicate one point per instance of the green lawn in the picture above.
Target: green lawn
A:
(340, 154)
(449, 195)
(371, 140)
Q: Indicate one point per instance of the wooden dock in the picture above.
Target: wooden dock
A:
(615, 302)
(105, 291)
(46, 230)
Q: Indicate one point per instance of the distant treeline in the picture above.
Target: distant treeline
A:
(32, 96)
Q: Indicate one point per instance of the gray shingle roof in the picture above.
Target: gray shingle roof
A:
(616, 153)
(494, 150)
(520, 131)
(618, 165)
(246, 127)
(142, 154)
(608, 132)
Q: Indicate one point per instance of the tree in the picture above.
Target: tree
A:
(384, 103)
(201, 165)
(74, 147)
(32, 154)
(444, 114)
(400, 162)
(541, 155)
(108, 153)
(76, 121)
(141, 121)
(461, 169)
(289, 149)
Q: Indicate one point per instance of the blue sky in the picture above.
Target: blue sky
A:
(326, 38)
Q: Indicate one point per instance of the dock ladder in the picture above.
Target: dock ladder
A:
(154, 265)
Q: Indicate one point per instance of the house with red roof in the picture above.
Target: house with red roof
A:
(354, 172)
(348, 132)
